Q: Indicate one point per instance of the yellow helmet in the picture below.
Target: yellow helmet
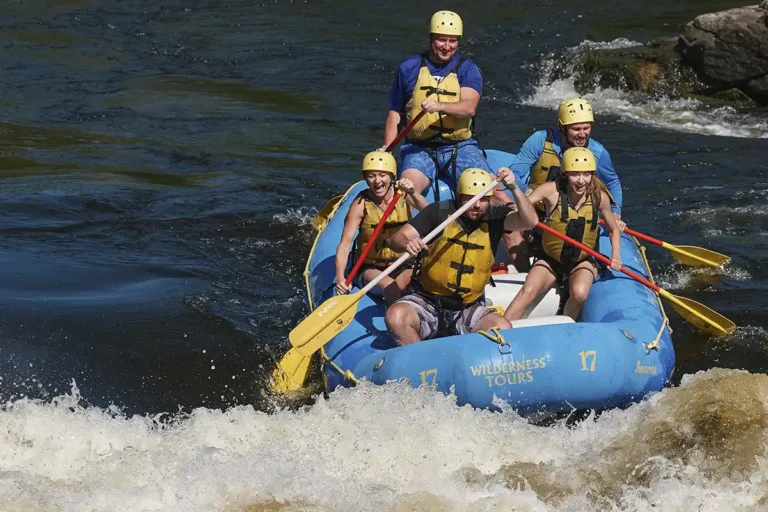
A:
(380, 161)
(446, 22)
(579, 160)
(575, 110)
(474, 180)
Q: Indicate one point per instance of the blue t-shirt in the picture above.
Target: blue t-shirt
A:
(408, 73)
(533, 148)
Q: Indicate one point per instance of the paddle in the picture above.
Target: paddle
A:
(695, 313)
(336, 313)
(685, 254)
(321, 217)
(292, 370)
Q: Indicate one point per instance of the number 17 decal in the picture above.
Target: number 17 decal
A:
(426, 374)
(584, 360)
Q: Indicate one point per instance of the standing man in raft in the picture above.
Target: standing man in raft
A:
(448, 88)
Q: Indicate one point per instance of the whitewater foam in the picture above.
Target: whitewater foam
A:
(679, 277)
(684, 115)
(392, 448)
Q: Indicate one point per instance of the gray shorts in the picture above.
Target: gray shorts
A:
(459, 322)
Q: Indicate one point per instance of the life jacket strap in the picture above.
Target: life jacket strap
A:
(458, 289)
(463, 269)
(436, 90)
(466, 245)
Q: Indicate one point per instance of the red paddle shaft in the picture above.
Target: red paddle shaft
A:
(370, 243)
(641, 236)
(389, 209)
(597, 255)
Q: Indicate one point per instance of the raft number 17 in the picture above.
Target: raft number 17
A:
(426, 374)
(585, 360)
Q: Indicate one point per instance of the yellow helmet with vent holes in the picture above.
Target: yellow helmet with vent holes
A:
(575, 110)
(579, 160)
(447, 23)
(380, 161)
(473, 181)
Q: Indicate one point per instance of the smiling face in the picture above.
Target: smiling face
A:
(443, 47)
(579, 181)
(477, 210)
(577, 135)
(378, 182)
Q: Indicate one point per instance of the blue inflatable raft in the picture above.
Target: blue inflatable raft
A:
(618, 351)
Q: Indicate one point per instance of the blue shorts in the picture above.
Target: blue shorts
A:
(469, 155)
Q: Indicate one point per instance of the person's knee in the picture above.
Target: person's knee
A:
(502, 322)
(420, 180)
(580, 292)
(398, 316)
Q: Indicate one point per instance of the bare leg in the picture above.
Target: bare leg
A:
(403, 322)
(492, 320)
(517, 247)
(539, 280)
(581, 280)
(384, 285)
(397, 287)
(403, 280)
(420, 181)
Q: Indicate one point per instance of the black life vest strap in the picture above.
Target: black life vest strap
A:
(463, 269)
(457, 288)
(564, 206)
(466, 245)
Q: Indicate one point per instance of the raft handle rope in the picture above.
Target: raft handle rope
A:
(653, 345)
(497, 338)
(347, 374)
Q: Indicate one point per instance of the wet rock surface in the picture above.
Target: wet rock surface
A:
(719, 57)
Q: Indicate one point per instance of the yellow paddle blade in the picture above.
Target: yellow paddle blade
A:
(291, 372)
(321, 218)
(696, 256)
(324, 323)
(700, 315)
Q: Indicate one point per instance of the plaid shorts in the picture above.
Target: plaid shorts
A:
(460, 321)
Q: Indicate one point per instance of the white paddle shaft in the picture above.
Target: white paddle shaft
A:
(455, 215)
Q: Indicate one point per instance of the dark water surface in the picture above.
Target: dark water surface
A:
(160, 165)
(161, 162)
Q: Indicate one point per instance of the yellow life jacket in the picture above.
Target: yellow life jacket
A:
(580, 225)
(458, 264)
(381, 256)
(548, 167)
(436, 124)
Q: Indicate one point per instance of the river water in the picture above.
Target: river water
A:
(161, 163)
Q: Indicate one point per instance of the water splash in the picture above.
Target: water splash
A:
(680, 277)
(301, 216)
(392, 448)
(684, 115)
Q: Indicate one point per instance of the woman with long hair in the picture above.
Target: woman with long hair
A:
(573, 206)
